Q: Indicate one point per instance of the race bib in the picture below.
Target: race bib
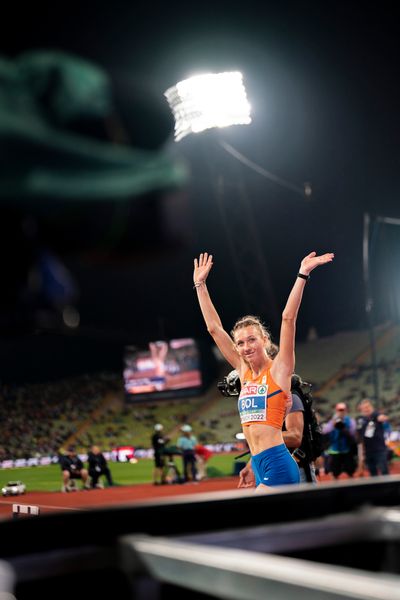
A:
(252, 403)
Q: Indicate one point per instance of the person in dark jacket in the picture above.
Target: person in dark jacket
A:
(159, 441)
(98, 466)
(372, 428)
(72, 468)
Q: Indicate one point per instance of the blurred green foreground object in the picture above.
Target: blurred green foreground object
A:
(61, 136)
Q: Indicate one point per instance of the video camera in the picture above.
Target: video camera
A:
(230, 385)
(298, 383)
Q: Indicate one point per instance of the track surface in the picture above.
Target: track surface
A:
(125, 495)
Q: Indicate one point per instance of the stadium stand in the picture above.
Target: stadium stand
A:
(355, 381)
(41, 418)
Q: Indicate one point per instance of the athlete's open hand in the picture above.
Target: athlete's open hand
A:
(312, 261)
(246, 477)
(202, 267)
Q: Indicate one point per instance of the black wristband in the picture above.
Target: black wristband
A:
(306, 277)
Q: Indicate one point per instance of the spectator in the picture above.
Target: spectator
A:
(341, 431)
(72, 468)
(187, 443)
(98, 466)
(371, 428)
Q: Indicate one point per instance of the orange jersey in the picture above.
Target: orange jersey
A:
(262, 401)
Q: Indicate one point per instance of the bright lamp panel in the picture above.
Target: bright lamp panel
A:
(206, 101)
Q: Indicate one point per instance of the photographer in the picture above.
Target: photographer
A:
(342, 450)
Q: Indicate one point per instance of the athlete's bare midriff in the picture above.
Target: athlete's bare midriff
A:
(257, 435)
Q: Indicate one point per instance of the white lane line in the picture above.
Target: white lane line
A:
(47, 506)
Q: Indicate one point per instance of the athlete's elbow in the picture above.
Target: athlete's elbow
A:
(293, 439)
(212, 330)
(297, 439)
(289, 317)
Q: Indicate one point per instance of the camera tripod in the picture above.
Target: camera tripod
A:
(172, 473)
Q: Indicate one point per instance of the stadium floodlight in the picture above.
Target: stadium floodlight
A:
(206, 101)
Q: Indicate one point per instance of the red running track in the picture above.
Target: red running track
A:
(126, 495)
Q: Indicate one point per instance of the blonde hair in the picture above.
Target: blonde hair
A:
(250, 321)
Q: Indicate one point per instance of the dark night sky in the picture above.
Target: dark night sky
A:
(322, 79)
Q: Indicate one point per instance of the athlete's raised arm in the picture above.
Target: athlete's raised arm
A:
(284, 362)
(202, 268)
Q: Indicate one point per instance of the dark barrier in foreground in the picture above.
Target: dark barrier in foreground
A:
(340, 540)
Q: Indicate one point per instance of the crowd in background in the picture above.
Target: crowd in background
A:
(38, 419)
(356, 382)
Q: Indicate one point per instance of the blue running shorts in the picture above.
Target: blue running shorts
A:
(275, 466)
